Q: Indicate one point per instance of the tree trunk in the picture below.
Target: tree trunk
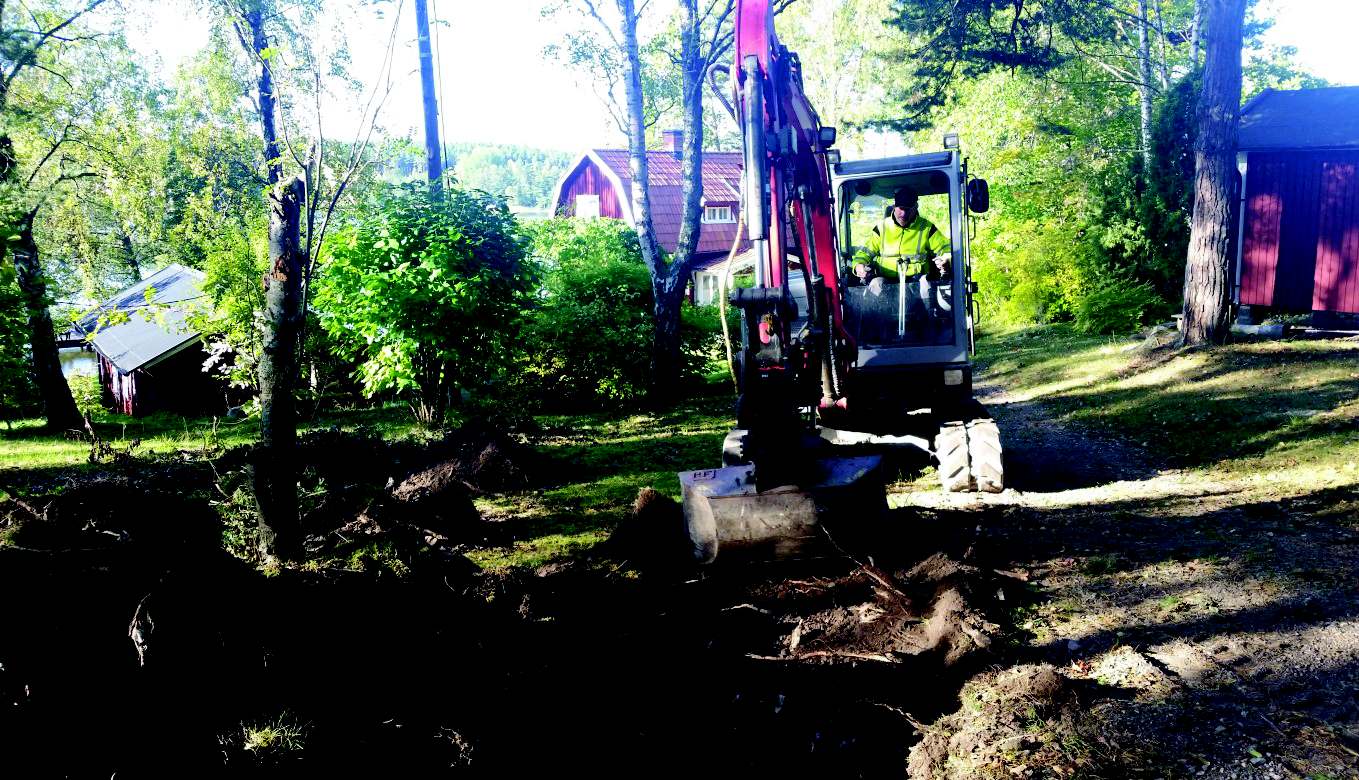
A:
(275, 467)
(1144, 88)
(134, 266)
(1162, 62)
(268, 101)
(669, 283)
(664, 362)
(638, 168)
(1206, 294)
(1196, 35)
(58, 405)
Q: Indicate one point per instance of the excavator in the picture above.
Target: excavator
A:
(835, 369)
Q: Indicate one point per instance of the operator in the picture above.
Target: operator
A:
(908, 241)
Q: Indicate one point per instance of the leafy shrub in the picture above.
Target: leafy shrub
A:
(1117, 305)
(589, 342)
(18, 395)
(87, 392)
(429, 292)
(590, 339)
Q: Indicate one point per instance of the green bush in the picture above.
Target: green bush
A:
(18, 395)
(1118, 305)
(87, 392)
(589, 342)
(590, 339)
(428, 291)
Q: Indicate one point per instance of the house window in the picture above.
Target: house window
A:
(718, 214)
(587, 206)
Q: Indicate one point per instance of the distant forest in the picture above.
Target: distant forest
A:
(523, 174)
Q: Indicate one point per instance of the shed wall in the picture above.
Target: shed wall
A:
(589, 180)
(1301, 249)
(1337, 246)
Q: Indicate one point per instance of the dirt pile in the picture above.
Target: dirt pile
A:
(933, 612)
(483, 458)
(1009, 723)
(653, 535)
(112, 512)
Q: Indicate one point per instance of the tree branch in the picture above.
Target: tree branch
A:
(30, 57)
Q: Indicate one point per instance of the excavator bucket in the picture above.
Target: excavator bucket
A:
(728, 517)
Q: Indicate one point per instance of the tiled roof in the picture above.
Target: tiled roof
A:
(721, 170)
(721, 185)
(1326, 118)
(150, 331)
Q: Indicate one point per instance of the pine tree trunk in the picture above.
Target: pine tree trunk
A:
(58, 405)
(275, 466)
(1206, 293)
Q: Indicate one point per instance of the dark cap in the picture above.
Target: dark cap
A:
(904, 198)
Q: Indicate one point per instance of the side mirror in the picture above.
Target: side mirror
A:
(978, 196)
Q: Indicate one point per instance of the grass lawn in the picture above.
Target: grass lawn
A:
(1281, 412)
(593, 464)
(25, 445)
(596, 465)
(1287, 411)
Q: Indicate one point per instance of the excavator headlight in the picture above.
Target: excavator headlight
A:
(832, 156)
(827, 137)
(953, 376)
(951, 141)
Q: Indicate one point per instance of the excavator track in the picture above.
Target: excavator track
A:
(970, 455)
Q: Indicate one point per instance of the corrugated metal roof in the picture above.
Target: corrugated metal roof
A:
(1326, 118)
(744, 262)
(151, 331)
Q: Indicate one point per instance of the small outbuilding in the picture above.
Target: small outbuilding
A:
(1298, 153)
(150, 358)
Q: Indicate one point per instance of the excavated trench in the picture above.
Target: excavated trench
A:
(825, 666)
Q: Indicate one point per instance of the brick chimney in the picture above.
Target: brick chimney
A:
(674, 142)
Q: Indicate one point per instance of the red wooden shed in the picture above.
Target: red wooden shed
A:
(150, 357)
(1298, 152)
(599, 184)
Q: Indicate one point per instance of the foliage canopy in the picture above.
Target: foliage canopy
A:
(429, 291)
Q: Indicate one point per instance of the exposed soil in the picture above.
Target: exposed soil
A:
(1102, 618)
(1217, 621)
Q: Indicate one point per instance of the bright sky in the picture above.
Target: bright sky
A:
(498, 87)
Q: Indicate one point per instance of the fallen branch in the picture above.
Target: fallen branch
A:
(879, 657)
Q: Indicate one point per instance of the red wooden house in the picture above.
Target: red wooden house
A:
(1298, 152)
(599, 182)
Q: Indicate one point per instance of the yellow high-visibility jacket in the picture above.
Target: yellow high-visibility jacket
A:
(914, 245)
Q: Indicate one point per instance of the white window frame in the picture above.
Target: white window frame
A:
(718, 214)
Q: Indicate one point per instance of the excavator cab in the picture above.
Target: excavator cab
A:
(902, 310)
(914, 338)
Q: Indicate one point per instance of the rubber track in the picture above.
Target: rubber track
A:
(950, 448)
(984, 455)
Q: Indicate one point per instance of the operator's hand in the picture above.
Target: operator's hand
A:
(861, 271)
(875, 286)
(941, 262)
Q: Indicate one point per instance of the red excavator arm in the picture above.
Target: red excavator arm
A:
(787, 179)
